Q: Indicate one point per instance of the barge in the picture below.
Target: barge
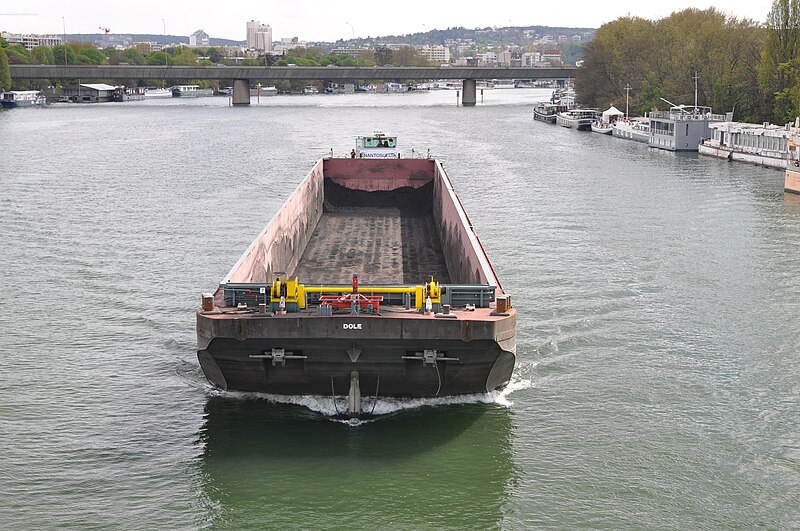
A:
(369, 279)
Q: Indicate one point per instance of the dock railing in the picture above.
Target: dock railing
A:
(686, 116)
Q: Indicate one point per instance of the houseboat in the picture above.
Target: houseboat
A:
(547, 112)
(580, 119)
(683, 127)
(90, 93)
(121, 93)
(763, 144)
(22, 98)
(369, 279)
(190, 91)
(636, 129)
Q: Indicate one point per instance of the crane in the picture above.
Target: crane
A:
(105, 31)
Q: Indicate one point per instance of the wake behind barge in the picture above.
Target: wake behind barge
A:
(369, 279)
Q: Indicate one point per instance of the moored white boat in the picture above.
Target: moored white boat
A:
(153, 92)
(22, 98)
(637, 129)
(604, 122)
(190, 91)
(580, 119)
(599, 126)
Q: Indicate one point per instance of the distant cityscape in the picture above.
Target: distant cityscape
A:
(530, 46)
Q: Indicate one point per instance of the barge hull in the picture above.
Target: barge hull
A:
(478, 355)
(384, 367)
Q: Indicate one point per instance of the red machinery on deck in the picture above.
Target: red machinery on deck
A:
(353, 300)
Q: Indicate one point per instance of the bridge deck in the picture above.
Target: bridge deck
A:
(262, 73)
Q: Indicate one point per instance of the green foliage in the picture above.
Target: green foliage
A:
(17, 54)
(650, 93)
(214, 55)
(91, 56)
(778, 72)
(185, 57)
(133, 56)
(659, 59)
(156, 59)
(42, 55)
(59, 57)
(5, 73)
(3, 43)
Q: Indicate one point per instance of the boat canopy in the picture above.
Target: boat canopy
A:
(612, 111)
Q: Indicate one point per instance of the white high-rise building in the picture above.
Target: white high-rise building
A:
(30, 41)
(198, 38)
(259, 36)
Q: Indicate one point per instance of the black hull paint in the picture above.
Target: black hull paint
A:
(482, 366)
(485, 352)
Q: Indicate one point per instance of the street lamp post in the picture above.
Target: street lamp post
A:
(64, 33)
(164, 47)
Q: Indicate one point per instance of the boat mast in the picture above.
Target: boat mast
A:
(695, 89)
(627, 93)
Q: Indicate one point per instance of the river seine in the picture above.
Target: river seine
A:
(657, 383)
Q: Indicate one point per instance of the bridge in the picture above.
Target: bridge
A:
(242, 76)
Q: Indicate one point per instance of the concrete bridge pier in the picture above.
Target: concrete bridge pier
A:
(468, 94)
(241, 92)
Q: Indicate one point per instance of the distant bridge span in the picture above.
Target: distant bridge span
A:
(242, 76)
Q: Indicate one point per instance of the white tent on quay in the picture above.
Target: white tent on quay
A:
(612, 112)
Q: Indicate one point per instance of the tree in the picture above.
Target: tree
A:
(383, 56)
(5, 72)
(156, 59)
(185, 57)
(777, 76)
(62, 53)
(660, 58)
(133, 56)
(91, 56)
(214, 55)
(42, 55)
(17, 54)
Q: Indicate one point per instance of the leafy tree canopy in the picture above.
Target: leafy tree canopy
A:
(5, 73)
(659, 59)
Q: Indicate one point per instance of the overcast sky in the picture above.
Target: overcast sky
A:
(329, 20)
